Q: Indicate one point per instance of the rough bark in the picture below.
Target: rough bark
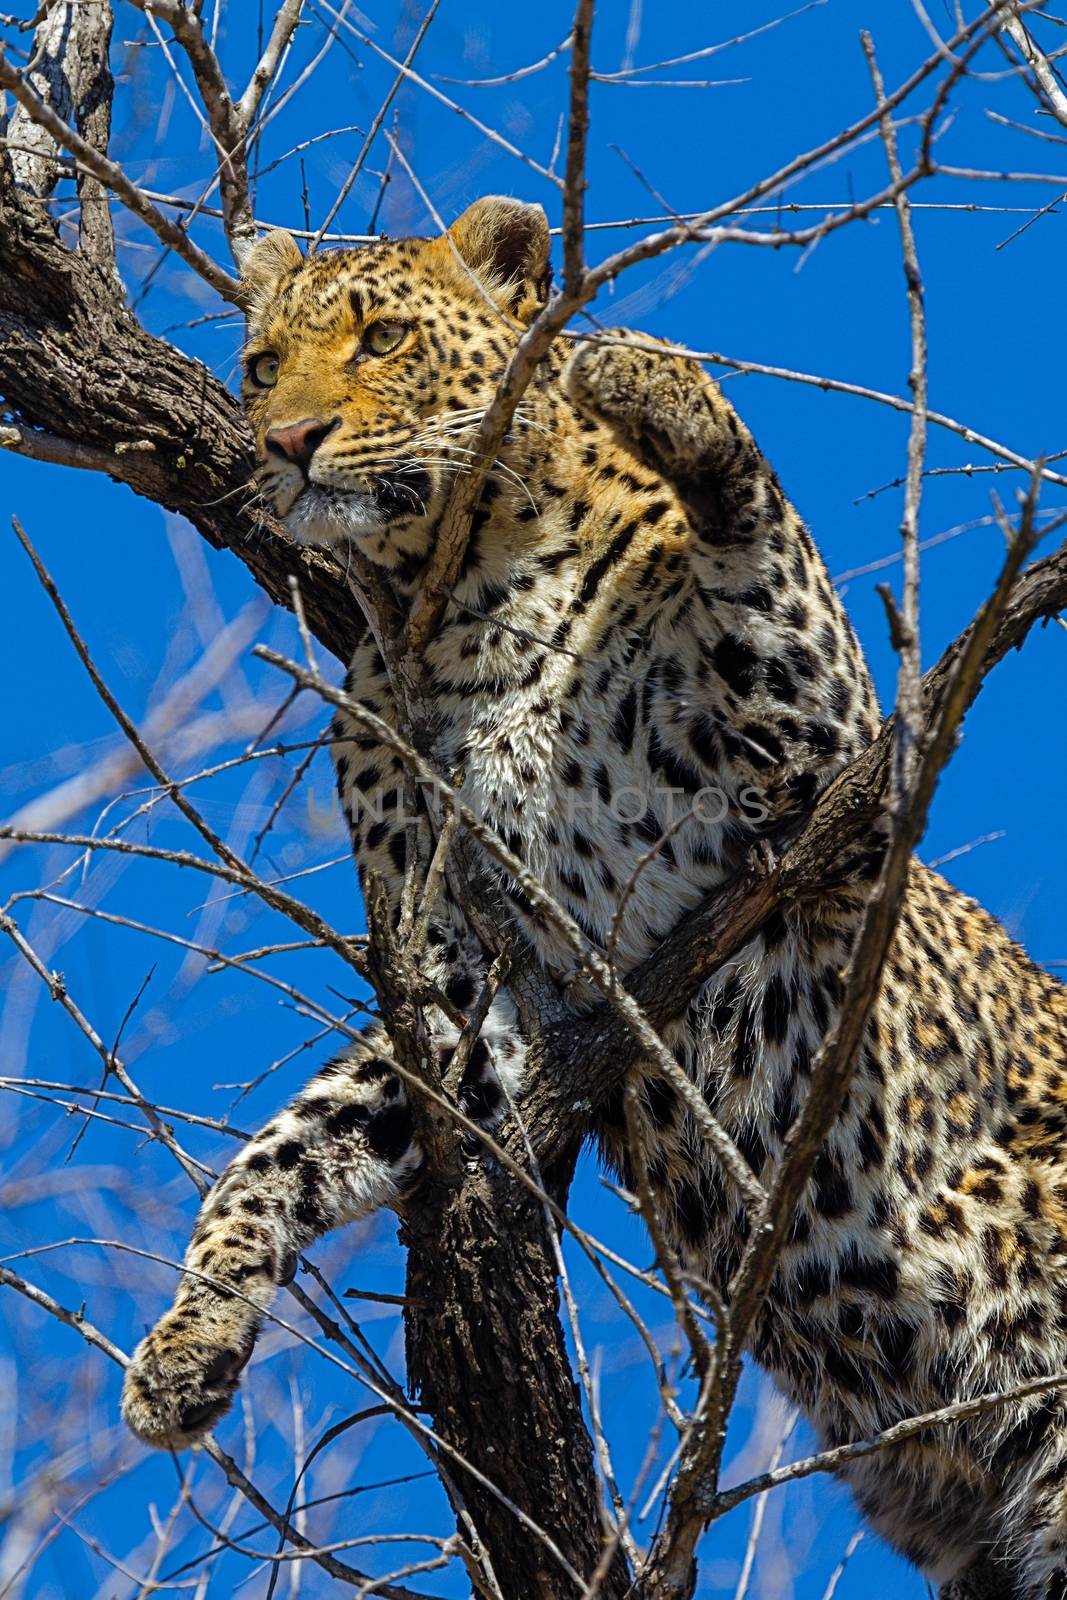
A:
(486, 1356)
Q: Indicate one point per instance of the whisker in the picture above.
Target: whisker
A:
(443, 444)
(508, 472)
(499, 467)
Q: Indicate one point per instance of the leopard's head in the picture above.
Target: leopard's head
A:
(366, 369)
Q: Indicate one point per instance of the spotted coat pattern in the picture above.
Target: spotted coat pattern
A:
(643, 631)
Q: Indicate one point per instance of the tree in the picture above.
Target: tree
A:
(87, 386)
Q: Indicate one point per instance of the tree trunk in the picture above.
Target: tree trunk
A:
(487, 1358)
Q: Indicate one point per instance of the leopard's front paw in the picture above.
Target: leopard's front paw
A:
(657, 399)
(178, 1384)
(609, 377)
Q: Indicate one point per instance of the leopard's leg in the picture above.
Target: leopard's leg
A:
(342, 1149)
(788, 699)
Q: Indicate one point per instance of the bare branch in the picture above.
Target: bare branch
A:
(239, 870)
(574, 184)
(285, 21)
(40, 446)
(228, 129)
(909, 688)
(1039, 65)
(69, 71)
(409, 73)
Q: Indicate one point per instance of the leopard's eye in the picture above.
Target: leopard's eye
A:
(382, 337)
(263, 369)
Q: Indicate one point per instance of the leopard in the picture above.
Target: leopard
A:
(640, 608)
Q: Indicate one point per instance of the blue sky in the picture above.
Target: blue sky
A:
(149, 597)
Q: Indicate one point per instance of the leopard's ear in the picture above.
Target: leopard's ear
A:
(266, 264)
(506, 243)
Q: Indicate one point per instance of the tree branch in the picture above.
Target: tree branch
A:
(284, 27)
(229, 123)
(575, 184)
(1039, 65)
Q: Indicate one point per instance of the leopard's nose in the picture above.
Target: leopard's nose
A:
(299, 441)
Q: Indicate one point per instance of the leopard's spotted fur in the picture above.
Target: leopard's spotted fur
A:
(641, 610)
